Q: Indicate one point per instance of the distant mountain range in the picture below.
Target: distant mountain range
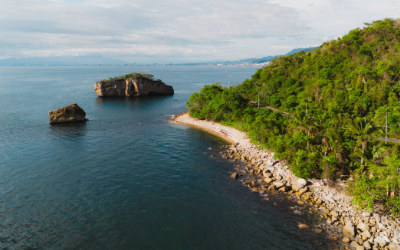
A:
(99, 60)
(61, 61)
(266, 58)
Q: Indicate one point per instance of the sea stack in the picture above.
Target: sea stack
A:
(134, 84)
(70, 113)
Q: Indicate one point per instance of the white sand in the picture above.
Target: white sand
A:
(230, 134)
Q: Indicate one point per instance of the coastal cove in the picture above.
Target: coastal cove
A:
(128, 178)
(361, 229)
(182, 125)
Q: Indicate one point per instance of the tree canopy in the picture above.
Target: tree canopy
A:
(344, 101)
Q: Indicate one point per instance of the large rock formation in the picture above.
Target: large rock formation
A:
(70, 113)
(132, 85)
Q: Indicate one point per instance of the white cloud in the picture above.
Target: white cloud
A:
(178, 30)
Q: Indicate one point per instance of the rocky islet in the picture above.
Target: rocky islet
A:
(70, 113)
(134, 84)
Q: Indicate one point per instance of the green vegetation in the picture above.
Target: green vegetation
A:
(127, 76)
(339, 101)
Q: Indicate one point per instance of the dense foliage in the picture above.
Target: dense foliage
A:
(341, 102)
(127, 76)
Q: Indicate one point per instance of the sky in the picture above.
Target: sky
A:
(177, 31)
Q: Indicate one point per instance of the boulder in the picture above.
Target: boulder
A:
(267, 174)
(268, 180)
(235, 175)
(396, 235)
(363, 227)
(134, 84)
(284, 189)
(394, 246)
(382, 240)
(303, 190)
(306, 196)
(366, 234)
(70, 113)
(366, 214)
(278, 184)
(349, 230)
(299, 184)
(367, 245)
(303, 226)
(354, 245)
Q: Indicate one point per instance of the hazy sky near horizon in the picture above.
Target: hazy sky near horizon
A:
(146, 31)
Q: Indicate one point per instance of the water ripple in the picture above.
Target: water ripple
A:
(128, 178)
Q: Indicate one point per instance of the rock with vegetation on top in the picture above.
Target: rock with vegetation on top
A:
(134, 84)
(70, 113)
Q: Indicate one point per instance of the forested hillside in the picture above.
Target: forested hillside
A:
(331, 113)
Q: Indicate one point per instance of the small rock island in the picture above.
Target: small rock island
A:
(134, 84)
(70, 113)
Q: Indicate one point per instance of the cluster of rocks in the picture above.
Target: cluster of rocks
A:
(361, 229)
(136, 85)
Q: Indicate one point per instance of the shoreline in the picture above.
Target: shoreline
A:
(361, 228)
(229, 134)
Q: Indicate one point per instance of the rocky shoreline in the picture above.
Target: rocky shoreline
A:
(262, 174)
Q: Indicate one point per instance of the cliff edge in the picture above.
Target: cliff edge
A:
(134, 84)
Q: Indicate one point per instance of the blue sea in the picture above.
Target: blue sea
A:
(128, 178)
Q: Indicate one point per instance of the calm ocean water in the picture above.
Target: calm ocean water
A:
(128, 178)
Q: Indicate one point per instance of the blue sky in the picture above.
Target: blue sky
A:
(147, 31)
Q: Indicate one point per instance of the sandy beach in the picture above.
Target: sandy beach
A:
(229, 134)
